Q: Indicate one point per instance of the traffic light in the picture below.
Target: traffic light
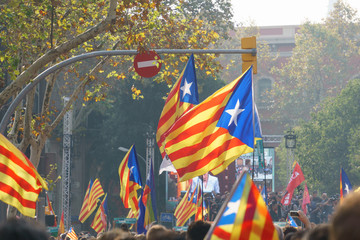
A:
(249, 59)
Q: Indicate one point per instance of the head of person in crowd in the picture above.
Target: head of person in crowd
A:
(197, 230)
(319, 232)
(157, 232)
(115, 234)
(289, 229)
(23, 229)
(298, 235)
(124, 227)
(279, 232)
(345, 221)
(324, 196)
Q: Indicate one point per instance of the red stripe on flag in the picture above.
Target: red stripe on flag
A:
(12, 192)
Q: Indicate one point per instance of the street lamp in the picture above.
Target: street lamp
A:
(123, 149)
(290, 144)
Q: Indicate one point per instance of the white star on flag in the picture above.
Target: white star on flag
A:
(234, 113)
(233, 207)
(347, 188)
(186, 88)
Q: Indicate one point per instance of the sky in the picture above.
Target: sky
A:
(283, 12)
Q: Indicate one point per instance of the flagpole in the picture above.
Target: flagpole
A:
(253, 121)
(202, 197)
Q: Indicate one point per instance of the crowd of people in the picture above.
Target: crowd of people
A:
(318, 210)
(343, 223)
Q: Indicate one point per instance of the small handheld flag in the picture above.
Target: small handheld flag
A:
(71, 234)
(291, 222)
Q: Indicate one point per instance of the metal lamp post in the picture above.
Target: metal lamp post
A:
(290, 144)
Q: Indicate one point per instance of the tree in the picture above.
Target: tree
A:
(329, 141)
(322, 62)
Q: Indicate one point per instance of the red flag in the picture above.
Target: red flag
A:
(296, 179)
(306, 198)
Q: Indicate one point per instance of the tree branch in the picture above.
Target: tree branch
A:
(51, 55)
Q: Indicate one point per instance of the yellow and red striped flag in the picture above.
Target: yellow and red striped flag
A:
(71, 234)
(182, 97)
(85, 212)
(130, 180)
(214, 133)
(99, 223)
(20, 183)
(95, 193)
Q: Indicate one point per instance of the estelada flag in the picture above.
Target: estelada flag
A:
(182, 97)
(345, 185)
(20, 183)
(297, 177)
(214, 133)
(130, 180)
(243, 215)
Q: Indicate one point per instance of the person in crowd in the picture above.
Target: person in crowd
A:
(326, 207)
(116, 234)
(319, 232)
(279, 231)
(288, 229)
(346, 218)
(211, 184)
(197, 230)
(159, 232)
(315, 208)
(22, 229)
(275, 211)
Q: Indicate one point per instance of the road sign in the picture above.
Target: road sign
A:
(125, 220)
(166, 217)
(147, 64)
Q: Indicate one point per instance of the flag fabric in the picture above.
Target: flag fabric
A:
(99, 223)
(180, 207)
(243, 215)
(20, 183)
(345, 185)
(147, 204)
(61, 224)
(291, 222)
(84, 211)
(130, 180)
(96, 192)
(296, 179)
(190, 207)
(50, 209)
(132, 214)
(182, 97)
(201, 210)
(71, 234)
(214, 133)
(264, 195)
(306, 199)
